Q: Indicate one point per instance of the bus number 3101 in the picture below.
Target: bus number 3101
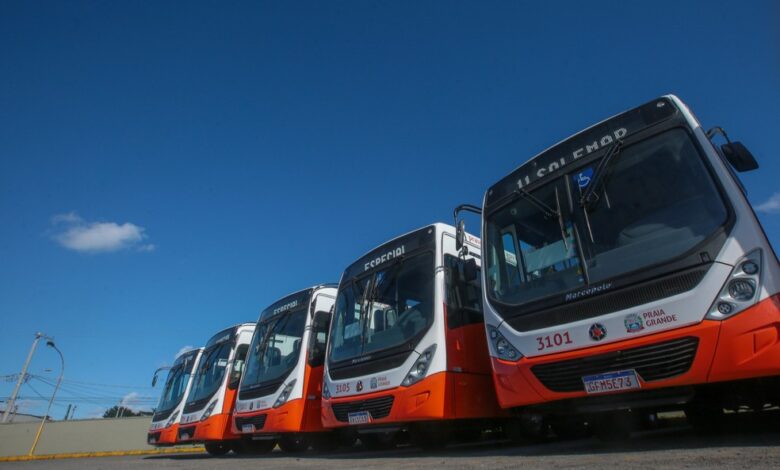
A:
(558, 339)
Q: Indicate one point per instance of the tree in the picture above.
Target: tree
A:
(123, 412)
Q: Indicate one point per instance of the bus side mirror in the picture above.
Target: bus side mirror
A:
(154, 380)
(460, 235)
(470, 270)
(739, 156)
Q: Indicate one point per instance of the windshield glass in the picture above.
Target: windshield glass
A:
(275, 349)
(211, 371)
(656, 202)
(176, 384)
(383, 310)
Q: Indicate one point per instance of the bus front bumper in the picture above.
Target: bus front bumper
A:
(288, 418)
(745, 346)
(424, 401)
(214, 428)
(163, 437)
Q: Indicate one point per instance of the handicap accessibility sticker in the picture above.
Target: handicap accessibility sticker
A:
(582, 178)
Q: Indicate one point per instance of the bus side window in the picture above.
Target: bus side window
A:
(464, 295)
(238, 366)
(319, 338)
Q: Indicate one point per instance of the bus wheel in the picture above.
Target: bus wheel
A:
(570, 427)
(378, 441)
(430, 437)
(614, 426)
(325, 442)
(293, 443)
(217, 449)
(259, 447)
(704, 417)
(527, 429)
(346, 437)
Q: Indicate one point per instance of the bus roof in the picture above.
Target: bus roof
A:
(592, 139)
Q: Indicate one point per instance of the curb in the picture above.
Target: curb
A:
(118, 453)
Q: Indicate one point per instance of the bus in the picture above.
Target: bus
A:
(165, 421)
(280, 391)
(407, 354)
(206, 415)
(626, 274)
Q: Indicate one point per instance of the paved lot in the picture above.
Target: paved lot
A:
(745, 444)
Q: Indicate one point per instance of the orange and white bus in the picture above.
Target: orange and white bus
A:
(406, 350)
(165, 421)
(280, 391)
(626, 272)
(206, 414)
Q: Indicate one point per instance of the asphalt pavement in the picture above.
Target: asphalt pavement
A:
(741, 443)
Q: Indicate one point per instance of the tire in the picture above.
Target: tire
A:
(704, 418)
(294, 443)
(614, 426)
(429, 437)
(378, 441)
(467, 435)
(527, 429)
(259, 447)
(325, 442)
(569, 428)
(217, 449)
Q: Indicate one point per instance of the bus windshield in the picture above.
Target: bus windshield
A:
(175, 385)
(384, 309)
(655, 202)
(211, 371)
(275, 349)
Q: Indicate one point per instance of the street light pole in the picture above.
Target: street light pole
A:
(9, 406)
(49, 343)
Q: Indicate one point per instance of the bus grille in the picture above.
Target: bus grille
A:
(257, 421)
(653, 362)
(378, 407)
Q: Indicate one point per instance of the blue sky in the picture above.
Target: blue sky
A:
(168, 169)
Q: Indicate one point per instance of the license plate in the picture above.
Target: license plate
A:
(247, 428)
(359, 417)
(611, 382)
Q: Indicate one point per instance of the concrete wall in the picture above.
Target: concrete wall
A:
(90, 435)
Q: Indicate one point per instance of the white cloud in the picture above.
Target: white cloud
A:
(771, 205)
(131, 401)
(75, 233)
(184, 350)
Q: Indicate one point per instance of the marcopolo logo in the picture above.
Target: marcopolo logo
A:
(587, 292)
(392, 254)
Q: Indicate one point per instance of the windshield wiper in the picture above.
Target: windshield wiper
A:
(590, 197)
(538, 203)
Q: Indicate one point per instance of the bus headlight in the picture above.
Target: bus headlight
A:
(503, 347)
(208, 411)
(739, 291)
(420, 367)
(172, 419)
(285, 394)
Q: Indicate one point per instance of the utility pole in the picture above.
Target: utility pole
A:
(10, 404)
(73, 411)
(67, 412)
